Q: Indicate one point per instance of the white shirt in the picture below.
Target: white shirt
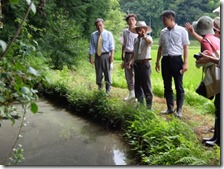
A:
(172, 41)
(128, 40)
(142, 50)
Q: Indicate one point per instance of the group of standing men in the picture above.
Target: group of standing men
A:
(136, 56)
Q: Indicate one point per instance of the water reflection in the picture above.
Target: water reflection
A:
(56, 137)
(119, 157)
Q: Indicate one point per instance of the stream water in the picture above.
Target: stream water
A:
(55, 137)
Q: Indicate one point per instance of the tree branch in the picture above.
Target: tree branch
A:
(17, 32)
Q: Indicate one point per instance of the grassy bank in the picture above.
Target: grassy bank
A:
(153, 139)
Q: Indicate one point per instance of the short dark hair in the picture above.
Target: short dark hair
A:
(99, 20)
(169, 14)
(130, 15)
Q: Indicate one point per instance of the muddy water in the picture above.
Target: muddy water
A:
(56, 137)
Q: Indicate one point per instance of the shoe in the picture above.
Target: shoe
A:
(167, 112)
(130, 96)
(208, 139)
(210, 143)
(179, 114)
(107, 93)
(125, 99)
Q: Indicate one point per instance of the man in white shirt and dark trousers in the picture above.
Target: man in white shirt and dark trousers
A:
(173, 43)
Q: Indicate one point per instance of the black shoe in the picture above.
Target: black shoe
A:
(210, 143)
(167, 112)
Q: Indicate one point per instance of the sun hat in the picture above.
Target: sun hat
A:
(141, 24)
(216, 23)
(203, 26)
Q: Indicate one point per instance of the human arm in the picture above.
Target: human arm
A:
(123, 42)
(148, 39)
(111, 57)
(207, 57)
(185, 64)
(122, 53)
(91, 60)
(190, 29)
(159, 54)
(92, 49)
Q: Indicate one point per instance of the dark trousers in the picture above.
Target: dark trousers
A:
(129, 72)
(217, 118)
(143, 87)
(102, 67)
(171, 66)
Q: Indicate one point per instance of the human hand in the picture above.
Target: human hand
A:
(189, 28)
(128, 64)
(111, 66)
(157, 67)
(206, 57)
(111, 59)
(91, 61)
(184, 68)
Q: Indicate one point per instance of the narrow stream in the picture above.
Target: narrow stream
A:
(54, 136)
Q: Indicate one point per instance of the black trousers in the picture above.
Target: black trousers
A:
(143, 87)
(217, 118)
(171, 66)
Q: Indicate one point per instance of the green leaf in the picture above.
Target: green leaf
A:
(33, 7)
(32, 71)
(2, 99)
(3, 45)
(33, 107)
(25, 90)
(14, 1)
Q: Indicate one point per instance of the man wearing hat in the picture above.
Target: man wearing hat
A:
(142, 66)
(102, 47)
(173, 43)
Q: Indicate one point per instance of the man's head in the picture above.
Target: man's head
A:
(131, 19)
(168, 17)
(141, 28)
(99, 23)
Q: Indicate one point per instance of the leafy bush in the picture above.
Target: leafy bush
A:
(63, 44)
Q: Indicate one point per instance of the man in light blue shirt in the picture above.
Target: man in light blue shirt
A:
(103, 52)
